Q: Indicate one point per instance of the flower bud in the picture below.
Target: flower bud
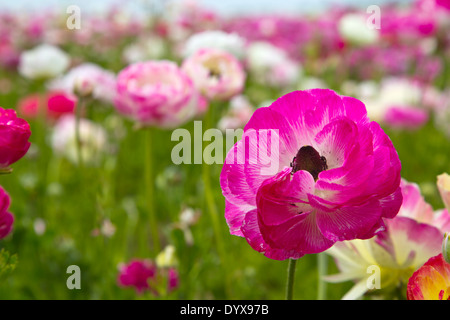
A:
(443, 184)
(446, 247)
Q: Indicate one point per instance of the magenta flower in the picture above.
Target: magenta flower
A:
(172, 279)
(14, 135)
(332, 175)
(6, 218)
(156, 93)
(138, 274)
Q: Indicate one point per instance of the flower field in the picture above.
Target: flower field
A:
(180, 154)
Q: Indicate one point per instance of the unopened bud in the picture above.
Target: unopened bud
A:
(446, 247)
(83, 87)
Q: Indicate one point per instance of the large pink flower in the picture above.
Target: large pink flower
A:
(14, 135)
(323, 173)
(156, 93)
(6, 218)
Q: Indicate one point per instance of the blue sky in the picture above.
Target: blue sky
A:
(226, 7)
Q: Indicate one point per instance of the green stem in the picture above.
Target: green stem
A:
(150, 190)
(322, 267)
(210, 203)
(78, 111)
(290, 279)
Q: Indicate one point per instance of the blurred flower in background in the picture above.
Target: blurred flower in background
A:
(93, 137)
(216, 74)
(6, 218)
(43, 62)
(52, 105)
(87, 78)
(156, 93)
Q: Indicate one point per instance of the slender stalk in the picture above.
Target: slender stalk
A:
(322, 267)
(78, 111)
(290, 279)
(210, 203)
(150, 190)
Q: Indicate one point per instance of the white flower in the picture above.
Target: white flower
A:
(215, 39)
(354, 28)
(271, 65)
(390, 92)
(94, 141)
(149, 48)
(43, 62)
(88, 78)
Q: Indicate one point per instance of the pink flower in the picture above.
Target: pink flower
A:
(6, 218)
(138, 274)
(415, 207)
(332, 175)
(217, 74)
(405, 117)
(14, 135)
(57, 103)
(88, 78)
(156, 93)
(173, 279)
(431, 281)
(409, 240)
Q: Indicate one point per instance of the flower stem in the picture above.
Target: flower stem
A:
(210, 203)
(150, 190)
(290, 279)
(78, 111)
(322, 267)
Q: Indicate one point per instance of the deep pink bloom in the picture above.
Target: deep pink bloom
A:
(324, 173)
(55, 103)
(138, 274)
(6, 218)
(156, 93)
(172, 279)
(14, 135)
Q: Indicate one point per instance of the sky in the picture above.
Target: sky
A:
(224, 7)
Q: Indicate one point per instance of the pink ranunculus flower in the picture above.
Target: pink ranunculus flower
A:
(156, 93)
(409, 240)
(138, 274)
(14, 135)
(332, 175)
(415, 207)
(217, 74)
(6, 218)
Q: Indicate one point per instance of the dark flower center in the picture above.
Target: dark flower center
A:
(309, 159)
